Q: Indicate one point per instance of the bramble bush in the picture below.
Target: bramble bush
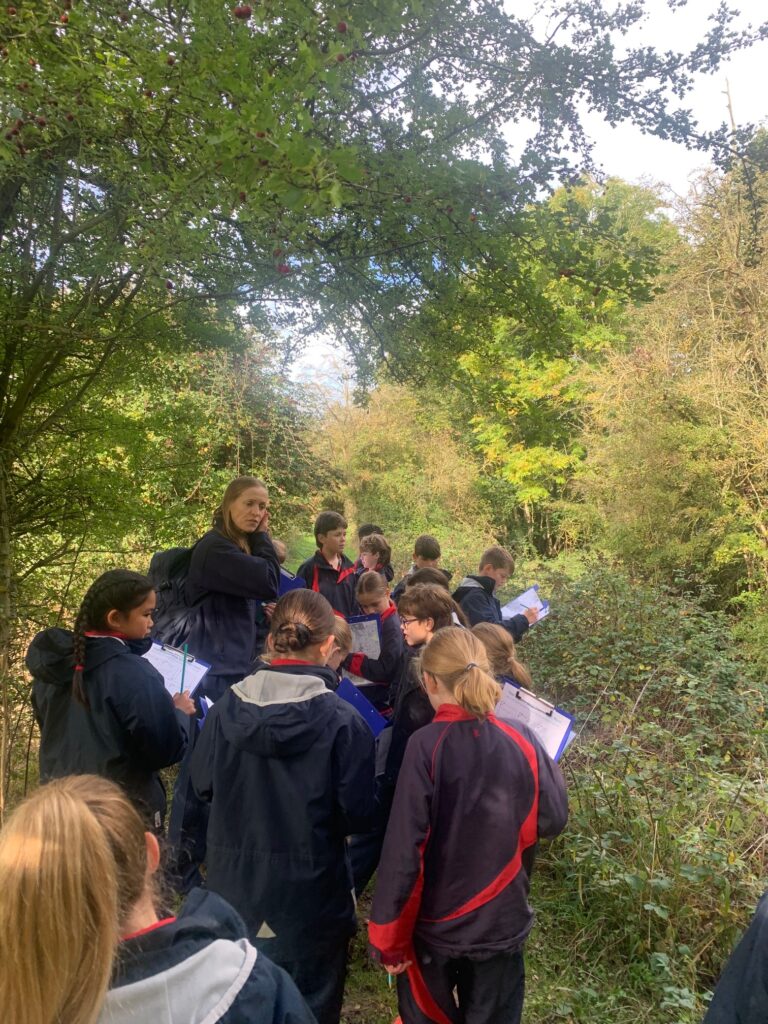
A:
(642, 898)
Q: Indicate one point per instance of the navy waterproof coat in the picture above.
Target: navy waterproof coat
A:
(200, 967)
(336, 585)
(227, 584)
(288, 768)
(471, 798)
(131, 728)
(476, 596)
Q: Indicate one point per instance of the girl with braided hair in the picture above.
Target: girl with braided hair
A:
(288, 768)
(101, 707)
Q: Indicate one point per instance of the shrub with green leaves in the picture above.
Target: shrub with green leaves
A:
(644, 895)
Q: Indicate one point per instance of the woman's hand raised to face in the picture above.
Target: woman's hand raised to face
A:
(263, 526)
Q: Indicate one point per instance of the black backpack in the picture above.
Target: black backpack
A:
(174, 614)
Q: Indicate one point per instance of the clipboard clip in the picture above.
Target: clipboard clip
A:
(178, 650)
(520, 690)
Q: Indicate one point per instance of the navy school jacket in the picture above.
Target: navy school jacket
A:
(227, 583)
(385, 669)
(288, 768)
(131, 729)
(200, 967)
(411, 711)
(384, 570)
(336, 585)
(741, 996)
(478, 602)
(472, 796)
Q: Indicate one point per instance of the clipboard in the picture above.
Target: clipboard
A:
(169, 662)
(523, 602)
(365, 639)
(551, 726)
(289, 582)
(349, 692)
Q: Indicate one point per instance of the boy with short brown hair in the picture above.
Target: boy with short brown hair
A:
(477, 594)
(329, 572)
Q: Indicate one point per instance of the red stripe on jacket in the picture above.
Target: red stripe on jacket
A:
(387, 936)
(527, 837)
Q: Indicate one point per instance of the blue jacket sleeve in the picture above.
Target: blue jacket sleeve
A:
(270, 996)
(354, 768)
(517, 627)
(225, 569)
(145, 710)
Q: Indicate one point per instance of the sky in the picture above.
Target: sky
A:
(625, 151)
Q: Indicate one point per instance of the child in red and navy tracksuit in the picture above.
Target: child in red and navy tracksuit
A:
(383, 672)
(329, 572)
(450, 912)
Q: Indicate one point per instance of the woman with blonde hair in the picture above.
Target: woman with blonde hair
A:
(450, 910)
(233, 569)
(78, 915)
(233, 566)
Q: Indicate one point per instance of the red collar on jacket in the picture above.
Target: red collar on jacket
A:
(453, 713)
(149, 928)
(390, 611)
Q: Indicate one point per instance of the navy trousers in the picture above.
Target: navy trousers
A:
(488, 991)
(319, 976)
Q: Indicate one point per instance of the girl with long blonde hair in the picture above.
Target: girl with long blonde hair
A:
(78, 914)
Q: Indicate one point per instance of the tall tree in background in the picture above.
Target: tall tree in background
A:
(164, 164)
(677, 471)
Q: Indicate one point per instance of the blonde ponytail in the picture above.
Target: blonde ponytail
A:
(458, 660)
(502, 653)
(72, 865)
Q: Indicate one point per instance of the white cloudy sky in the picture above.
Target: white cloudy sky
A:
(624, 151)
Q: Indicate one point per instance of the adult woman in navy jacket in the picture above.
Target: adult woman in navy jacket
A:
(232, 567)
(289, 770)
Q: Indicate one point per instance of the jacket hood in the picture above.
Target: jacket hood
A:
(474, 583)
(203, 957)
(277, 714)
(50, 657)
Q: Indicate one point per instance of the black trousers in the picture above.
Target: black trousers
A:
(319, 976)
(488, 991)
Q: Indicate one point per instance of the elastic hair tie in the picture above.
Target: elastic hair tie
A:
(471, 664)
(79, 668)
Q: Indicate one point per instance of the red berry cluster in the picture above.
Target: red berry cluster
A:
(242, 11)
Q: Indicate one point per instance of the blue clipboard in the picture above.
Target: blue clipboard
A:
(349, 692)
(366, 618)
(289, 582)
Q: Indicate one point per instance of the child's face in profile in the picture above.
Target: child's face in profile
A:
(135, 624)
(332, 543)
(369, 559)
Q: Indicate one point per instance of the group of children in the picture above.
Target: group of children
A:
(302, 805)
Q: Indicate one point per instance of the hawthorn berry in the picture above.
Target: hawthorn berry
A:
(243, 12)
(342, 27)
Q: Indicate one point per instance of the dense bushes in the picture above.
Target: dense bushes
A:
(644, 895)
